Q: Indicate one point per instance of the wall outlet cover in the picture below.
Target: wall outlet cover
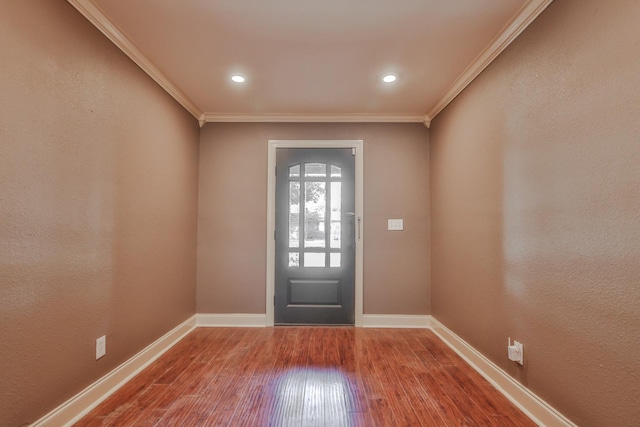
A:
(101, 347)
(516, 352)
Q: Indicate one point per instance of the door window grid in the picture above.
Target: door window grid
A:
(321, 212)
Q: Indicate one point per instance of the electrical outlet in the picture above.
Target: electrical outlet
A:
(516, 351)
(101, 347)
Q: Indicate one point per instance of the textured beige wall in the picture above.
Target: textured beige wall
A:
(233, 208)
(98, 207)
(535, 201)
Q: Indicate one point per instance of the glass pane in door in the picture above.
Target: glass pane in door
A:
(336, 214)
(294, 259)
(334, 260)
(294, 214)
(294, 171)
(315, 204)
(315, 170)
(314, 259)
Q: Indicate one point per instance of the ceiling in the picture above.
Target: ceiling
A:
(312, 60)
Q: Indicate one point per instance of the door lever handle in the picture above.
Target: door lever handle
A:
(353, 215)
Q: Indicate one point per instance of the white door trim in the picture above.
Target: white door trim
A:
(358, 145)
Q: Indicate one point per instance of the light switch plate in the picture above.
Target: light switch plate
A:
(395, 225)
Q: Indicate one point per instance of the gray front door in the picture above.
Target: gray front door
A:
(315, 236)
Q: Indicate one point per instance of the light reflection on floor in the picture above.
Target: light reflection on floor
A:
(312, 397)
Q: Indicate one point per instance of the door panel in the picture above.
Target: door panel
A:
(305, 291)
(315, 236)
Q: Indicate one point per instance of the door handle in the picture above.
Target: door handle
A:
(353, 215)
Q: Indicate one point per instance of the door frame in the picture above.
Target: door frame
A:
(358, 145)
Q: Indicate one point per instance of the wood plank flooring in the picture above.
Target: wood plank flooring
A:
(307, 376)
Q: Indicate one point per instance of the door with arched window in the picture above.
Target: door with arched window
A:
(315, 236)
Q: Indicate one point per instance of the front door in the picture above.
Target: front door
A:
(315, 236)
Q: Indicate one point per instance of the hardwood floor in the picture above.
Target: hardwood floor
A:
(307, 376)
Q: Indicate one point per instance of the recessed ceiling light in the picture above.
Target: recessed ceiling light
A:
(389, 78)
(237, 78)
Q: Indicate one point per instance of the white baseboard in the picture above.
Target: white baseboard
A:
(537, 409)
(395, 321)
(78, 406)
(231, 320)
(260, 320)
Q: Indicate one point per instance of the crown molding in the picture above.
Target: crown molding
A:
(528, 13)
(315, 118)
(96, 16)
